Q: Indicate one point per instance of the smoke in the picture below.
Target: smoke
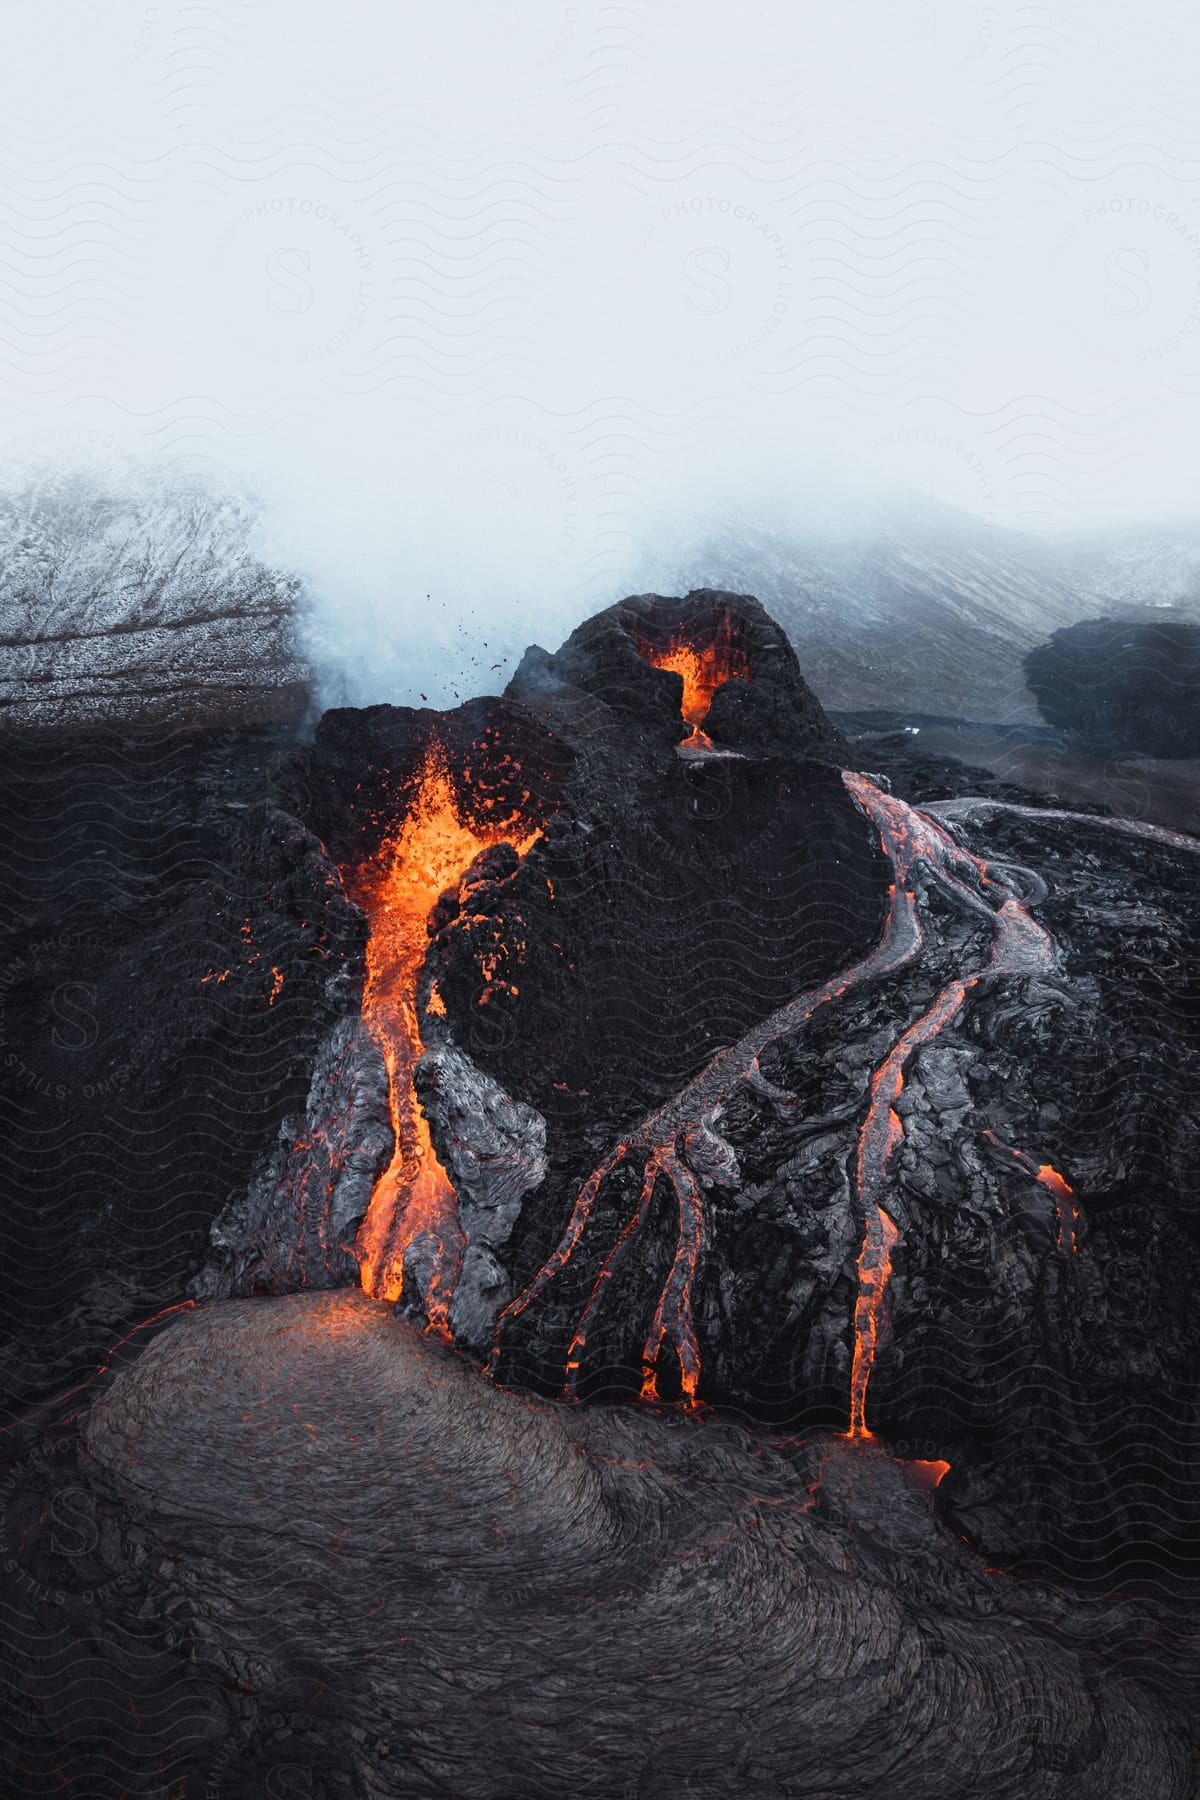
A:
(497, 307)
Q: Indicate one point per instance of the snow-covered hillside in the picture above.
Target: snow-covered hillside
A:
(128, 598)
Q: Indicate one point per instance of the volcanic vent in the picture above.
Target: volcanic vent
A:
(705, 646)
(413, 1203)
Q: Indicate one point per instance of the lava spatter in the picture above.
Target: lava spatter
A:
(413, 1202)
(705, 661)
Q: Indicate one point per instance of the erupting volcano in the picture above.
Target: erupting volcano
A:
(679, 1162)
(714, 1094)
(723, 1142)
(413, 1203)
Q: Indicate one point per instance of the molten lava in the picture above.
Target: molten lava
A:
(413, 1202)
(705, 660)
(874, 1273)
(1047, 1176)
(916, 843)
(1068, 1211)
(681, 1143)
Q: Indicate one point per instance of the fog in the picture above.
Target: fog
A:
(498, 307)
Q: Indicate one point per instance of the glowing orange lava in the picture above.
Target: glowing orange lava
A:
(1064, 1194)
(1068, 1211)
(673, 1314)
(413, 1199)
(913, 841)
(681, 1143)
(874, 1273)
(705, 663)
(927, 1474)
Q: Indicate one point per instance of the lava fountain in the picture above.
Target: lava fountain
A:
(413, 1203)
(706, 661)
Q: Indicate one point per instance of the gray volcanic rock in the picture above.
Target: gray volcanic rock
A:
(405, 1581)
(295, 1225)
(494, 1150)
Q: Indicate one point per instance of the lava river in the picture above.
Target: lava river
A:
(413, 1204)
(681, 1144)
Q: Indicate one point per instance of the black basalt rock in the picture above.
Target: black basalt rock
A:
(1122, 685)
(768, 706)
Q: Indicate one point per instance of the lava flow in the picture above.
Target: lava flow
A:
(705, 664)
(874, 1272)
(681, 1143)
(413, 1199)
(1020, 946)
(1066, 1205)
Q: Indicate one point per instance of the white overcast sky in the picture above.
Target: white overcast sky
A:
(490, 300)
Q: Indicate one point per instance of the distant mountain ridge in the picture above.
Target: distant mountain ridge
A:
(933, 612)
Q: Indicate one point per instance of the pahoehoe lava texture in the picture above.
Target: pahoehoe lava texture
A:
(459, 1591)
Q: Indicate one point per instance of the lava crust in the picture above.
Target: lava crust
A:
(486, 1595)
